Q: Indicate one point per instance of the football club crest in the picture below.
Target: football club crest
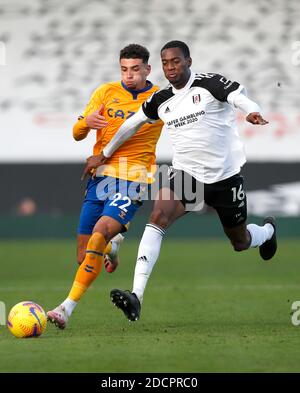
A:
(122, 215)
(196, 99)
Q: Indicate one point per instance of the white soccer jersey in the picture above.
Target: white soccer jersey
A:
(201, 121)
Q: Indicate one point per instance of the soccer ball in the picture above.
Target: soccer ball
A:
(27, 319)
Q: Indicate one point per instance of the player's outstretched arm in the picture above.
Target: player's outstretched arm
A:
(239, 100)
(126, 131)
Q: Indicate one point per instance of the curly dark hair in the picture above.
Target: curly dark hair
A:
(135, 51)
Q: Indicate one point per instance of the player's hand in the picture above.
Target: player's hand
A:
(93, 162)
(256, 118)
(96, 120)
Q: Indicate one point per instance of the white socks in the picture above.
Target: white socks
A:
(69, 305)
(260, 235)
(148, 253)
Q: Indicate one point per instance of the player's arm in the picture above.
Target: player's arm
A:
(147, 113)
(232, 92)
(239, 100)
(126, 131)
(94, 120)
(80, 129)
(92, 117)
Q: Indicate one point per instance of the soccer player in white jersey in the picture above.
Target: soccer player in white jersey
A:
(198, 111)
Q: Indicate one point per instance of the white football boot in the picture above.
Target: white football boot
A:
(112, 260)
(58, 316)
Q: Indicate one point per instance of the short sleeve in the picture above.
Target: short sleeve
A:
(219, 86)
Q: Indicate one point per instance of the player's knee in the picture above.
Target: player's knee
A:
(239, 246)
(106, 230)
(159, 218)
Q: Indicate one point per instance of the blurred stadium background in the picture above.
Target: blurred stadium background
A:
(57, 53)
(53, 54)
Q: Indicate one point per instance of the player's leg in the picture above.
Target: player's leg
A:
(91, 211)
(229, 199)
(111, 256)
(245, 236)
(82, 241)
(239, 237)
(111, 253)
(173, 201)
(105, 229)
(118, 211)
(167, 208)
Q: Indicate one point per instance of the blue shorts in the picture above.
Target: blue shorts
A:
(109, 196)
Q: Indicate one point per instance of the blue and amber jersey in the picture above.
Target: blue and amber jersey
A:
(139, 151)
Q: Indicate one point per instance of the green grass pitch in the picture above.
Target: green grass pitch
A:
(206, 309)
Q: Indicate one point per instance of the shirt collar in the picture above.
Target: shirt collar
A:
(187, 86)
(135, 93)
